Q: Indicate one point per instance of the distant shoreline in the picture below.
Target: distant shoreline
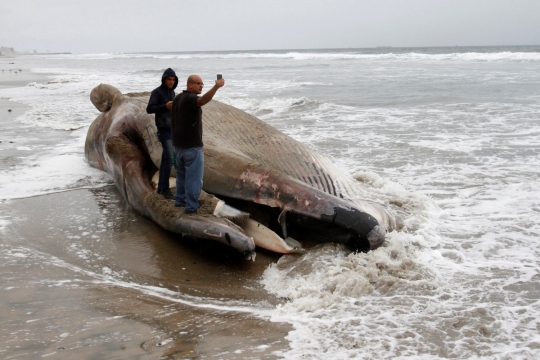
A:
(16, 55)
(340, 48)
(56, 53)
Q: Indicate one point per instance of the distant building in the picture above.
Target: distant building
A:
(5, 51)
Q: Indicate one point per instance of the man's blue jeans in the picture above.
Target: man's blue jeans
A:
(189, 177)
(165, 138)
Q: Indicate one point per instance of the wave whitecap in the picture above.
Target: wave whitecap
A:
(331, 55)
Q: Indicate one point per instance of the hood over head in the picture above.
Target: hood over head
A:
(167, 73)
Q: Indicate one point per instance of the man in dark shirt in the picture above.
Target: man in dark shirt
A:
(160, 103)
(187, 133)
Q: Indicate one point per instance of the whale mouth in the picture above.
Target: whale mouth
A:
(344, 226)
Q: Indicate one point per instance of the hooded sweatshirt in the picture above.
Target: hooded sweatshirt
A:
(158, 100)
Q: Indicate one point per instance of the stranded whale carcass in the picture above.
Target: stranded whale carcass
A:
(288, 189)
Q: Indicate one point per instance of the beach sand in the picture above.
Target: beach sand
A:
(13, 76)
(85, 276)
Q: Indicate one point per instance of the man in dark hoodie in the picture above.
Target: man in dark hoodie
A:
(160, 103)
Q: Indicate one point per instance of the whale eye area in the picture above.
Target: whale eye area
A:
(228, 238)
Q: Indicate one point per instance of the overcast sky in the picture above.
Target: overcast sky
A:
(92, 26)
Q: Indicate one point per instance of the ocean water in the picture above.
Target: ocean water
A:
(451, 134)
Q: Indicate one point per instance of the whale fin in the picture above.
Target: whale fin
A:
(269, 240)
(295, 244)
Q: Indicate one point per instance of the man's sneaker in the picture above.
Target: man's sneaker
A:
(190, 212)
(167, 194)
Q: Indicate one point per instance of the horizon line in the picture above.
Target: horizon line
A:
(282, 49)
(330, 48)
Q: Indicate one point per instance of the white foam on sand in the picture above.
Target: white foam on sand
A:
(4, 222)
(341, 304)
(465, 262)
(421, 294)
(57, 169)
(38, 164)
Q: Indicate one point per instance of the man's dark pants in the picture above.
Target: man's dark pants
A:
(165, 138)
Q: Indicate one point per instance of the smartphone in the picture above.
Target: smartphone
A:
(219, 76)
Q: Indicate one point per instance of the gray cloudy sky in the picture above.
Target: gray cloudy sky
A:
(187, 25)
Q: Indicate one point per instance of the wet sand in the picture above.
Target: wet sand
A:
(13, 76)
(85, 276)
(10, 110)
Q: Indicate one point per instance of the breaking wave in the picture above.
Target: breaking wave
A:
(503, 56)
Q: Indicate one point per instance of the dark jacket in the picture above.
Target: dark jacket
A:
(187, 129)
(159, 98)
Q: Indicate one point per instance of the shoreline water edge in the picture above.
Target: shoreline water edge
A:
(448, 135)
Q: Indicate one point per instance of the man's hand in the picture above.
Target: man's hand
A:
(169, 105)
(220, 83)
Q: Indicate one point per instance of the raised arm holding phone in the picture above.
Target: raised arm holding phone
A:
(187, 133)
